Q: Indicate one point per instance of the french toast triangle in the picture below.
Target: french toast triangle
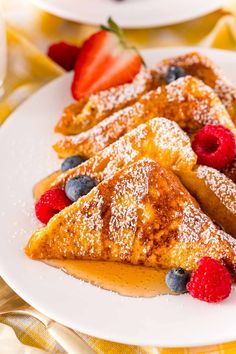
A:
(159, 139)
(203, 68)
(187, 101)
(142, 215)
(165, 142)
(87, 112)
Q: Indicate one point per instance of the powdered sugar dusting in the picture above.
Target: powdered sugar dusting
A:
(224, 188)
(170, 138)
(159, 139)
(226, 91)
(207, 110)
(198, 228)
(91, 218)
(115, 97)
(187, 101)
(192, 224)
(86, 113)
(202, 67)
(142, 215)
(82, 116)
(127, 195)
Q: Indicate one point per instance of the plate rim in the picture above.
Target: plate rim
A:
(57, 317)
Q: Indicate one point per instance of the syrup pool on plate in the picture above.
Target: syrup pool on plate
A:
(42, 186)
(125, 279)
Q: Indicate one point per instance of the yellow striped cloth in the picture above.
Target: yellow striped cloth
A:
(29, 32)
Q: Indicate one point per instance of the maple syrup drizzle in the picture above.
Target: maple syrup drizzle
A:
(124, 279)
(42, 186)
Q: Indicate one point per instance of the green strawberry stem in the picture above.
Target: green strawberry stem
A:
(115, 28)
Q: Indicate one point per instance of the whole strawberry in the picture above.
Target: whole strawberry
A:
(210, 282)
(64, 54)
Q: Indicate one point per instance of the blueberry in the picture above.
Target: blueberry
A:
(79, 186)
(174, 73)
(71, 162)
(177, 279)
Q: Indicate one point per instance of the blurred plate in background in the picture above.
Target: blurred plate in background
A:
(130, 13)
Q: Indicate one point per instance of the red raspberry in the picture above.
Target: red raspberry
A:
(210, 282)
(64, 54)
(50, 203)
(215, 146)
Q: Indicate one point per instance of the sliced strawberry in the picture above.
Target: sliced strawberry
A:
(104, 61)
(119, 72)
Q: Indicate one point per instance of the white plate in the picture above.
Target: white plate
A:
(130, 13)
(26, 156)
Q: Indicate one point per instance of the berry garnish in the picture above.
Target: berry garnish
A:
(210, 282)
(177, 279)
(50, 203)
(64, 54)
(174, 73)
(104, 61)
(79, 186)
(215, 146)
(71, 162)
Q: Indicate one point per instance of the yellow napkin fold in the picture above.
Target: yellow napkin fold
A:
(224, 33)
(29, 68)
(10, 344)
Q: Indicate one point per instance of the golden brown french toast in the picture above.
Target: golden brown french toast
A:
(203, 68)
(88, 112)
(187, 101)
(215, 193)
(159, 139)
(142, 215)
(165, 142)
(230, 171)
